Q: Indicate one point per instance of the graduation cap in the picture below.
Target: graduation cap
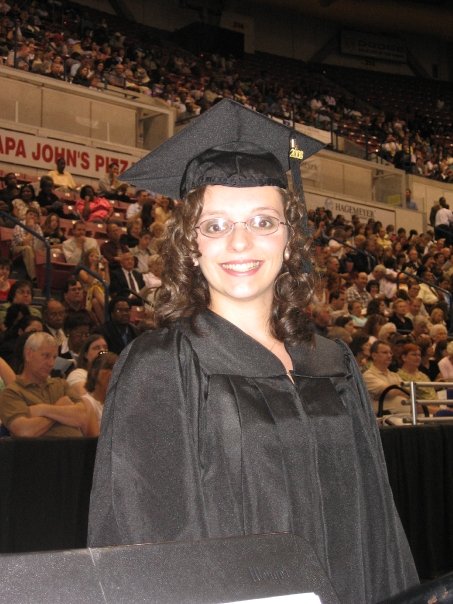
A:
(227, 145)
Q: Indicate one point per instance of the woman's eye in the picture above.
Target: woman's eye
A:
(262, 222)
(216, 226)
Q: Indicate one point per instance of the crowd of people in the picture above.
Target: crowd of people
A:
(387, 293)
(125, 259)
(85, 49)
(383, 291)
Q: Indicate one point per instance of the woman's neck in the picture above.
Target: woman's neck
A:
(249, 318)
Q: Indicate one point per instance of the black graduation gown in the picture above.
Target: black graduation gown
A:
(206, 436)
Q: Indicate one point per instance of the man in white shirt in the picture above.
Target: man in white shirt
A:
(135, 208)
(444, 222)
(75, 246)
(378, 378)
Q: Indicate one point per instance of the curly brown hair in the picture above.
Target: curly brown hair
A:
(185, 291)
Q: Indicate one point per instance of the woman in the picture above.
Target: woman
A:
(25, 201)
(428, 365)
(92, 208)
(52, 231)
(411, 358)
(26, 244)
(360, 348)
(97, 383)
(20, 293)
(232, 424)
(5, 281)
(89, 351)
(446, 364)
(133, 231)
(18, 321)
(373, 325)
(95, 294)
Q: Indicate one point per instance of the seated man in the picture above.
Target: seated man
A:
(112, 249)
(75, 246)
(38, 405)
(399, 318)
(358, 291)
(126, 281)
(62, 179)
(111, 186)
(119, 331)
(378, 377)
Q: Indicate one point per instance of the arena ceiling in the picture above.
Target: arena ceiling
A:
(434, 17)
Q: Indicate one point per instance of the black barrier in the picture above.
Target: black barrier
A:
(45, 488)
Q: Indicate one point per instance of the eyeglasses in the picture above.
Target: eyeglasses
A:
(257, 225)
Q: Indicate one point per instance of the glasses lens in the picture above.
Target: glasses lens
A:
(263, 225)
(215, 227)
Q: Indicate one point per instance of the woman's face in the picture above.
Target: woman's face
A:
(31, 219)
(349, 326)
(4, 273)
(241, 267)
(412, 359)
(23, 296)
(33, 327)
(437, 316)
(366, 349)
(93, 257)
(54, 223)
(26, 194)
(95, 348)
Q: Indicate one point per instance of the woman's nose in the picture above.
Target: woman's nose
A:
(240, 237)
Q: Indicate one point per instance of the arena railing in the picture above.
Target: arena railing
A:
(413, 401)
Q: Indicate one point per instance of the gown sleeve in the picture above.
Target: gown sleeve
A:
(147, 452)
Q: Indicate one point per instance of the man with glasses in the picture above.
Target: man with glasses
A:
(378, 377)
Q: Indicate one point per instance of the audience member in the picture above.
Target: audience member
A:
(54, 315)
(97, 383)
(62, 178)
(52, 230)
(126, 281)
(112, 249)
(409, 371)
(94, 290)
(399, 318)
(118, 331)
(26, 244)
(78, 243)
(378, 378)
(5, 281)
(24, 202)
(77, 327)
(20, 293)
(135, 208)
(74, 298)
(93, 208)
(446, 364)
(90, 349)
(360, 346)
(111, 186)
(37, 405)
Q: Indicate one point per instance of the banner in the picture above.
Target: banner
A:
(348, 209)
(383, 48)
(40, 152)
